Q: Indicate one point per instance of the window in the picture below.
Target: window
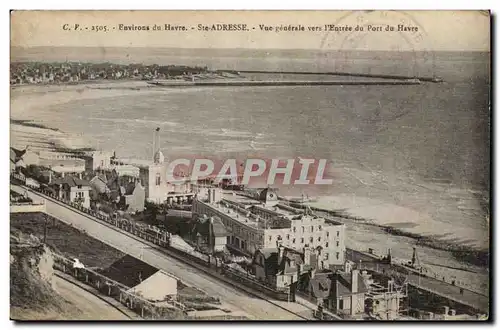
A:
(319, 227)
(303, 229)
(158, 179)
(302, 240)
(337, 255)
(293, 241)
(338, 233)
(312, 229)
(294, 229)
(287, 236)
(270, 238)
(326, 256)
(319, 239)
(326, 244)
(338, 243)
(327, 234)
(311, 239)
(102, 163)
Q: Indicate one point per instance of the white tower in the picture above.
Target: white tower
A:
(158, 157)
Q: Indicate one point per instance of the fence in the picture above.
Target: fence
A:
(217, 317)
(254, 284)
(118, 291)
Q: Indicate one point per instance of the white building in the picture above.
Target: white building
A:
(72, 189)
(269, 224)
(153, 176)
(98, 160)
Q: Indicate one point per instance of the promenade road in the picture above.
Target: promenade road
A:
(256, 308)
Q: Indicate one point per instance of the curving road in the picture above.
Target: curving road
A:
(256, 308)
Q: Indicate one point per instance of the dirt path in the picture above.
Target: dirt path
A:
(90, 307)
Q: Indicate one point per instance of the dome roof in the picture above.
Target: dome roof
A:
(268, 194)
(159, 158)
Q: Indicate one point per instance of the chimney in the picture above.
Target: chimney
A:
(156, 142)
(347, 267)
(414, 256)
(307, 255)
(281, 251)
(354, 280)
(390, 286)
(210, 234)
(80, 176)
(446, 310)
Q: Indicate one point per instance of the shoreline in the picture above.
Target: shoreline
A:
(473, 255)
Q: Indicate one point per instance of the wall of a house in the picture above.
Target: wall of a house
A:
(135, 201)
(31, 158)
(358, 303)
(73, 195)
(220, 243)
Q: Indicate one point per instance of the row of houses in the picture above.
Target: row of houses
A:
(80, 180)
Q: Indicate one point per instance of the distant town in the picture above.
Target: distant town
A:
(73, 72)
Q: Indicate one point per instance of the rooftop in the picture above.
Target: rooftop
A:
(239, 214)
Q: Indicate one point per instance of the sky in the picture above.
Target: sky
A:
(426, 30)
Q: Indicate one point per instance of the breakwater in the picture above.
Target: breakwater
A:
(343, 74)
(263, 83)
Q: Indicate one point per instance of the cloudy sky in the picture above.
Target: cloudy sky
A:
(437, 30)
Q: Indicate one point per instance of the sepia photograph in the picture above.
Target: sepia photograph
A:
(323, 166)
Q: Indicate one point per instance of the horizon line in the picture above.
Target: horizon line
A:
(270, 49)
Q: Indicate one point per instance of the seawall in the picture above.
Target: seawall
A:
(343, 74)
(226, 83)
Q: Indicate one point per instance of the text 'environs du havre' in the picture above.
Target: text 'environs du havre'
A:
(237, 27)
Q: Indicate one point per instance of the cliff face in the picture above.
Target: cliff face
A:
(31, 273)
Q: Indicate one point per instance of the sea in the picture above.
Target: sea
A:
(423, 148)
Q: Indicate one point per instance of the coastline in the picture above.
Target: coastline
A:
(28, 102)
(466, 244)
(477, 256)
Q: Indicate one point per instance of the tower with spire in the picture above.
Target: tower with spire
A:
(158, 157)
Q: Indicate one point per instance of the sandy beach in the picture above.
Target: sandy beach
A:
(28, 103)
